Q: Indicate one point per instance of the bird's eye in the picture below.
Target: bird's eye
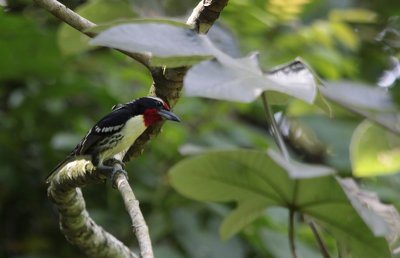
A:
(159, 104)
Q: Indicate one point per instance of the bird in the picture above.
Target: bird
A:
(112, 136)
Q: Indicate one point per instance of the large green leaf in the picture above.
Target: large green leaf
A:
(191, 230)
(374, 151)
(243, 80)
(256, 181)
(167, 44)
(72, 41)
(226, 78)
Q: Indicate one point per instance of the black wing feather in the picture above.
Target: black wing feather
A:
(108, 125)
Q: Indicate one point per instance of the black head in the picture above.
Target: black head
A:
(153, 110)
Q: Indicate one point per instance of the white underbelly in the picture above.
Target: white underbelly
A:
(132, 130)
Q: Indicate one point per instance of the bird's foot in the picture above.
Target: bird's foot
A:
(118, 167)
(114, 174)
(115, 167)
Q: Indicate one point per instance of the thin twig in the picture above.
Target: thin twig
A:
(292, 240)
(321, 243)
(276, 133)
(139, 225)
(83, 25)
(76, 224)
(67, 15)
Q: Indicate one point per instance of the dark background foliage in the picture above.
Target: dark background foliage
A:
(53, 89)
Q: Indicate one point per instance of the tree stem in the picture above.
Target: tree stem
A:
(139, 226)
(273, 127)
(321, 243)
(292, 241)
(276, 133)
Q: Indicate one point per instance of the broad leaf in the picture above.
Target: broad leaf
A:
(72, 41)
(374, 151)
(164, 43)
(191, 230)
(243, 80)
(373, 103)
(382, 218)
(359, 95)
(257, 181)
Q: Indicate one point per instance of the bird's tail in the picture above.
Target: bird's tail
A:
(57, 168)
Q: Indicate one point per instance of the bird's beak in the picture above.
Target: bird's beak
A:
(168, 115)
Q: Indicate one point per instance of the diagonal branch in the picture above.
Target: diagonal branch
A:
(168, 82)
(82, 24)
(139, 225)
(75, 222)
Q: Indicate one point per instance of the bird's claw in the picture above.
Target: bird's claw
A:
(114, 175)
(117, 168)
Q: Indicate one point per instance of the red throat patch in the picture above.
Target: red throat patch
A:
(151, 116)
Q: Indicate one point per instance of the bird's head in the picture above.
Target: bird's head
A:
(154, 110)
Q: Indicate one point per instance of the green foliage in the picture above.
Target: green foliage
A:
(72, 41)
(374, 151)
(50, 97)
(257, 181)
(13, 49)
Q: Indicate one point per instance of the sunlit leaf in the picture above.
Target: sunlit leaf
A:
(345, 34)
(166, 44)
(286, 10)
(257, 180)
(374, 151)
(353, 15)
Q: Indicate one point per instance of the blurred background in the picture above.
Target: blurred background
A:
(54, 87)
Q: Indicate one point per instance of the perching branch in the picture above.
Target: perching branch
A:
(75, 222)
(64, 190)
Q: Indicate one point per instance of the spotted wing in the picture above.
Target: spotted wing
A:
(111, 123)
(107, 126)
